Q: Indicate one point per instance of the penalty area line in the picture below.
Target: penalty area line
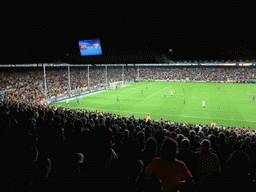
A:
(156, 92)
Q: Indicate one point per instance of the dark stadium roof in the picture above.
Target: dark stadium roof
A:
(36, 32)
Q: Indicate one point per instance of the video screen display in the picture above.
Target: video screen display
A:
(90, 47)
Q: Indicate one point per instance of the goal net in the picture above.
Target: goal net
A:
(115, 85)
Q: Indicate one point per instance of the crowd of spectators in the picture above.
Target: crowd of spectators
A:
(207, 74)
(28, 84)
(46, 148)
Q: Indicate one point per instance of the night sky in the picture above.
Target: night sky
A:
(34, 32)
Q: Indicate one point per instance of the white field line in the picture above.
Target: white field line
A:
(81, 96)
(122, 90)
(250, 92)
(169, 115)
(156, 92)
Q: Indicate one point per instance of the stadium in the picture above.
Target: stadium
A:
(151, 98)
(227, 91)
(123, 96)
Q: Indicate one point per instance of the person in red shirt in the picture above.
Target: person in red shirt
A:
(168, 169)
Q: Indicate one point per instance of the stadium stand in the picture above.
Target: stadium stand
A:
(48, 148)
(29, 85)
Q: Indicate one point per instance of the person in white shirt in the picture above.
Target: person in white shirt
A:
(171, 92)
(203, 104)
(67, 102)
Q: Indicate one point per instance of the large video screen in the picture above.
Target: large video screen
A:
(90, 47)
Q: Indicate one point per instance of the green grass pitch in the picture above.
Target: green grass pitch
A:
(232, 105)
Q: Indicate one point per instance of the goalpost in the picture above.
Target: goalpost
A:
(115, 85)
(73, 90)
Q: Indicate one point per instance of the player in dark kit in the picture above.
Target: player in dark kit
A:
(117, 100)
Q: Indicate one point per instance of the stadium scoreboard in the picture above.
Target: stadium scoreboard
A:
(90, 47)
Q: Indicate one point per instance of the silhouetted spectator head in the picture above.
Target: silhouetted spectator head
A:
(151, 144)
(141, 136)
(79, 158)
(167, 134)
(130, 149)
(91, 122)
(100, 141)
(201, 134)
(222, 137)
(197, 138)
(88, 126)
(212, 139)
(178, 131)
(126, 134)
(137, 129)
(49, 115)
(247, 140)
(169, 149)
(179, 139)
(192, 133)
(173, 135)
(148, 131)
(131, 128)
(197, 128)
(205, 145)
(185, 144)
(238, 163)
(124, 126)
(119, 137)
(56, 120)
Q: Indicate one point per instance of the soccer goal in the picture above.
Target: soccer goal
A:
(115, 85)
